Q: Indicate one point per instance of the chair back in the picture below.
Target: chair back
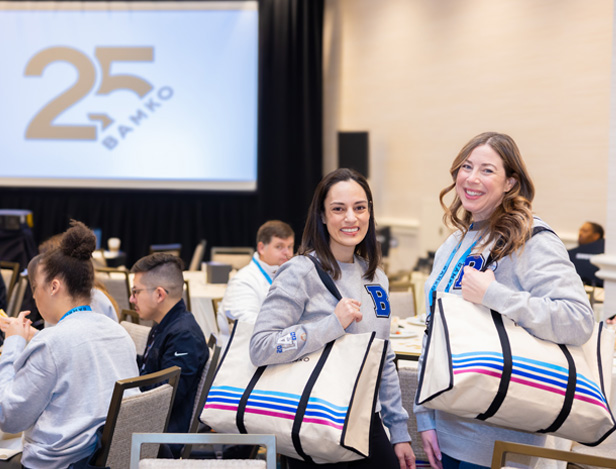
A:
(186, 295)
(269, 441)
(172, 248)
(408, 385)
(236, 257)
(504, 448)
(10, 274)
(17, 296)
(215, 304)
(117, 283)
(203, 388)
(138, 333)
(144, 412)
(197, 258)
(402, 303)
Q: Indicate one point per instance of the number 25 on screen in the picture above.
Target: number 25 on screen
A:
(41, 126)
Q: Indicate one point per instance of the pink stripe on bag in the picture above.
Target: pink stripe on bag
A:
(324, 422)
(532, 384)
(590, 400)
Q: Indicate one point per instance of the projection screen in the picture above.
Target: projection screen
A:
(159, 95)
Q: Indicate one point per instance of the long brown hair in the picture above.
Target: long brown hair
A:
(316, 236)
(511, 224)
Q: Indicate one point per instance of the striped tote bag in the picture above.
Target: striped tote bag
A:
(319, 407)
(479, 364)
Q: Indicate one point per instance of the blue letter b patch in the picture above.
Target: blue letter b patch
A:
(380, 300)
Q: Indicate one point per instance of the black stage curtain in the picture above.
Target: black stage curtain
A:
(290, 158)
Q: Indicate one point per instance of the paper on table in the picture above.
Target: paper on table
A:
(10, 447)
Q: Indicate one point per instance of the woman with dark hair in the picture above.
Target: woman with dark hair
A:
(493, 259)
(57, 388)
(300, 316)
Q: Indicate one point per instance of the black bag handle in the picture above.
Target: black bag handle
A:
(326, 278)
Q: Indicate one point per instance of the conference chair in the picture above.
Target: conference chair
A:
(402, 303)
(10, 274)
(17, 296)
(203, 388)
(269, 441)
(186, 295)
(131, 314)
(236, 257)
(504, 448)
(138, 333)
(171, 248)
(408, 385)
(215, 304)
(146, 412)
(117, 283)
(197, 258)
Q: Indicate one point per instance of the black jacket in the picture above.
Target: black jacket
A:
(177, 340)
(580, 257)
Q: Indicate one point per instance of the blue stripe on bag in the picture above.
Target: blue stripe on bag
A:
(535, 370)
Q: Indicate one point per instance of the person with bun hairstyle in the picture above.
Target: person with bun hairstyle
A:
(300, 316)
(504, 258)
(57, 388)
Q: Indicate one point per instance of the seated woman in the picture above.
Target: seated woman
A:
(57, 388)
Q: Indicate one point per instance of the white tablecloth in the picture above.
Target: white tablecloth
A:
(201, 295)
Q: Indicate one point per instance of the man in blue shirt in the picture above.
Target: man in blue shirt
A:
(175, 338)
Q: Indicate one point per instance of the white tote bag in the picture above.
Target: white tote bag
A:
(479, 364)
(319, 407)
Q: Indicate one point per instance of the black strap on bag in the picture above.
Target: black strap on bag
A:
(326, 278)
(508, 367)
(303, 402)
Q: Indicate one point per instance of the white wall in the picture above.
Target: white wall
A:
(424, 76)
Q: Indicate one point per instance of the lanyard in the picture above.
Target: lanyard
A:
(76, 309)
(455, 271)
(149, 347)
(265, 274)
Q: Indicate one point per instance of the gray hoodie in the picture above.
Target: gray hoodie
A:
(539, 289)
(298, 302)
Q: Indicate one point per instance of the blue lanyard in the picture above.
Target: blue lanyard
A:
(76, 309)
(265, 274)
(455, 271)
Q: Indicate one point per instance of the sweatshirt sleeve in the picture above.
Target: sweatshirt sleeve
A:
(27, 379)
(545, 295)
(280, 334)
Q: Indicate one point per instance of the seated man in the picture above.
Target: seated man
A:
(591, 243)
(248, 288)
(176, 338)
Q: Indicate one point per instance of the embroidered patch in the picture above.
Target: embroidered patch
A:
(380, 300)
(287, 342)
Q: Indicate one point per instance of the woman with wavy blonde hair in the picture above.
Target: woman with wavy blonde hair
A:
(504, 258)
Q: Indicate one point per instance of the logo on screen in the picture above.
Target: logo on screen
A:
(42, 127)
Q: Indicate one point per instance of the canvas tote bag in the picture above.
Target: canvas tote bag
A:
(479, 364)
(319, 407)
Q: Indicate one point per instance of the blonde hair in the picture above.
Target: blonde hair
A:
(511, 223)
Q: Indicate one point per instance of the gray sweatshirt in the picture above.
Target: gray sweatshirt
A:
(57, 389)
(539, 289)
(299, 302)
